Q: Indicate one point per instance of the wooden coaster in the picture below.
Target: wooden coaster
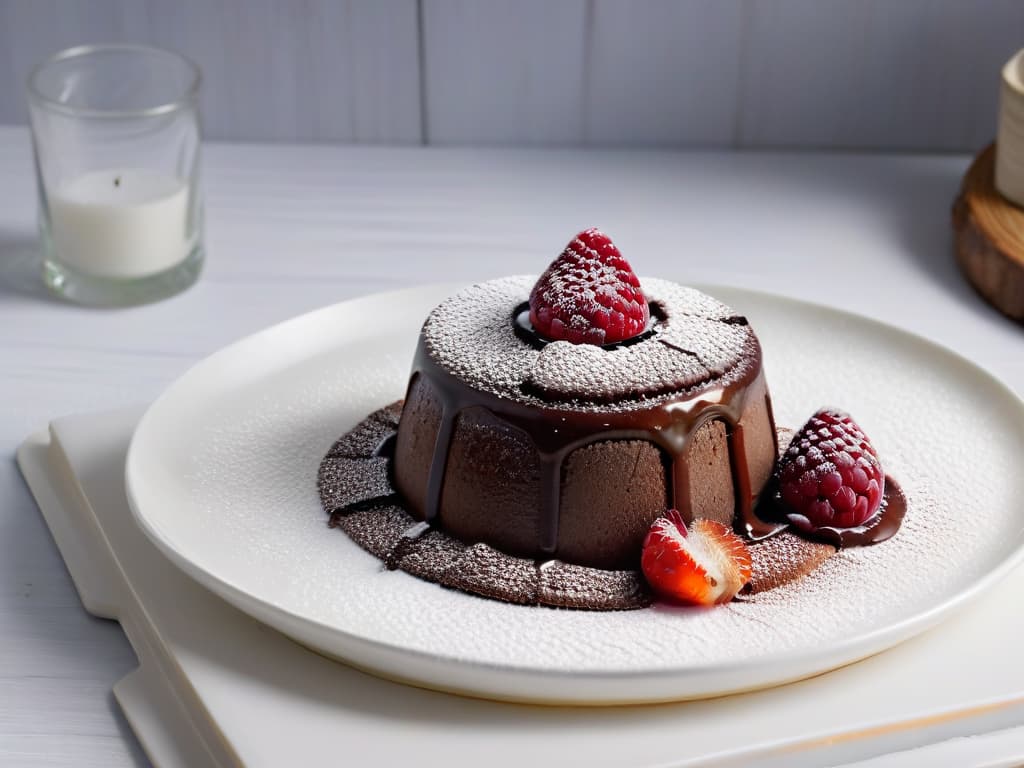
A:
(989, 232)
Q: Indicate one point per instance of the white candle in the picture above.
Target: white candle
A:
(121, 223)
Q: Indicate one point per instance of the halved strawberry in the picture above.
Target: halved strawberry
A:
(704, 565)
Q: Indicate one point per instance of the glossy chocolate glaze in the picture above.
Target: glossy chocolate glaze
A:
(668, 423)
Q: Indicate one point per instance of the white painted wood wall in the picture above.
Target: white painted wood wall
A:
(879, 74)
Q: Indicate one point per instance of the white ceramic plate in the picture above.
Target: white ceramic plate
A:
(221, 475)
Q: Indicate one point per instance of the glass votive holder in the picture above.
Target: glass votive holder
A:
(115, 130)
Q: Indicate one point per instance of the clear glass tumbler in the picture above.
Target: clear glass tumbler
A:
(115, 130)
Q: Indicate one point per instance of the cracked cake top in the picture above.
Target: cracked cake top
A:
(695, 344)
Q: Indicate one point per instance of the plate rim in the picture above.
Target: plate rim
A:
(801, 663)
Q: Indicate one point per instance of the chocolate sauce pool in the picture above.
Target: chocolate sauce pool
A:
(882, 526)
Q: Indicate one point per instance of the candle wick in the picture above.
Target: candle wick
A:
(117, 181)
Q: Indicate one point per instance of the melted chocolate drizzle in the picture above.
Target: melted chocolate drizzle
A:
(556, 432)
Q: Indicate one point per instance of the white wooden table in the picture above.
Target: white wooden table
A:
(291, 228)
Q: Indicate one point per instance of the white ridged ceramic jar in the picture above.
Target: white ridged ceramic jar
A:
(1010, 141)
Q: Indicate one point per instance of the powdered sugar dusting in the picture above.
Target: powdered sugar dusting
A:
(676, 300)
(719, 346)
(471, 334)
(782, 558)
(568, 371)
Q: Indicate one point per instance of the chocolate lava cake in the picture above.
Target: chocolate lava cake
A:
(570, 451)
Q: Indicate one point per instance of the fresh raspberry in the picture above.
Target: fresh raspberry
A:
(830, 476)
(589, 294)
(704, 565)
